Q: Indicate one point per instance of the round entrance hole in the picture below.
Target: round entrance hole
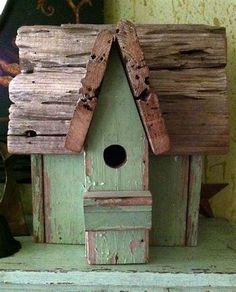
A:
(115, 156)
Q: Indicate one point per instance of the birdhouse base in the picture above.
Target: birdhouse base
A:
(117, 247)
(117, 225)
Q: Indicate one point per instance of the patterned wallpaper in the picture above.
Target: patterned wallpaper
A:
(217, 169)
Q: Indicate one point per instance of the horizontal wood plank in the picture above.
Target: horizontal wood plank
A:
(164, 46)
(109, 219)
(116, 194)
(187, 70)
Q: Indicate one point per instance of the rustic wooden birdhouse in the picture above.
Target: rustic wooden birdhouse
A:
(84, 93)
(117, 204)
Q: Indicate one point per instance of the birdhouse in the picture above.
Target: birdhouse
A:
(117, 210)
(86, 106)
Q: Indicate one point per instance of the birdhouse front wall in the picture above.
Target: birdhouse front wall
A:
(116, 123)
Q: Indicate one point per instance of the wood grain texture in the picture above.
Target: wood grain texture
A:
(143, 195)
(154, 123)
(172, 46)
(195, 181)
(91, 83)
(138, 73)
(187, 70)
(38, 198)
(117, 247)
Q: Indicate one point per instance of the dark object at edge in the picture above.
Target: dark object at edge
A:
(8, 245)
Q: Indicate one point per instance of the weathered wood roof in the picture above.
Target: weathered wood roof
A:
(187, 70)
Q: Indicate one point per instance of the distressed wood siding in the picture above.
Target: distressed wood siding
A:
(118, 247)
(194, 191)
(187, 70)
(38, 198)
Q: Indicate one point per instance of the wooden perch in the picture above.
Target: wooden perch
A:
(138, 74)
(90, 88)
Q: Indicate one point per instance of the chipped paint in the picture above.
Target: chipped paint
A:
(134, 244)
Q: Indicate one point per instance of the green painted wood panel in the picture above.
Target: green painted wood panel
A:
(63, 203)
(169, 188)
(116, 121)
(107, 218)
(117, 247)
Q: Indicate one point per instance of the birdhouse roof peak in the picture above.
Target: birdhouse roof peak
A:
(126, 40)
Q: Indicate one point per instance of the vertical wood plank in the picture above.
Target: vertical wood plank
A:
(169, 188)
(116, 121)
(195, 179)
(64, 188)
(37, 198)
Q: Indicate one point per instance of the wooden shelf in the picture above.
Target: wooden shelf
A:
(210, 266)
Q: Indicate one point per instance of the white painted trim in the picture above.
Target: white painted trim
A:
(114, 279)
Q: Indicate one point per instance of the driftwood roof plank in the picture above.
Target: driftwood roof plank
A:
(139, 78)
(90, 89)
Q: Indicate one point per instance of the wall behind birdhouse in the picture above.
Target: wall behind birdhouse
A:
(217, 169)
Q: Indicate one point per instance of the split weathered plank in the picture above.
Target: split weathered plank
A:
(117, 247)
(138, 73)
(54, 144)
(164, 46)
(38, 198)
(122, 194)
(63, 87)
(91, 83)
(195, 180)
